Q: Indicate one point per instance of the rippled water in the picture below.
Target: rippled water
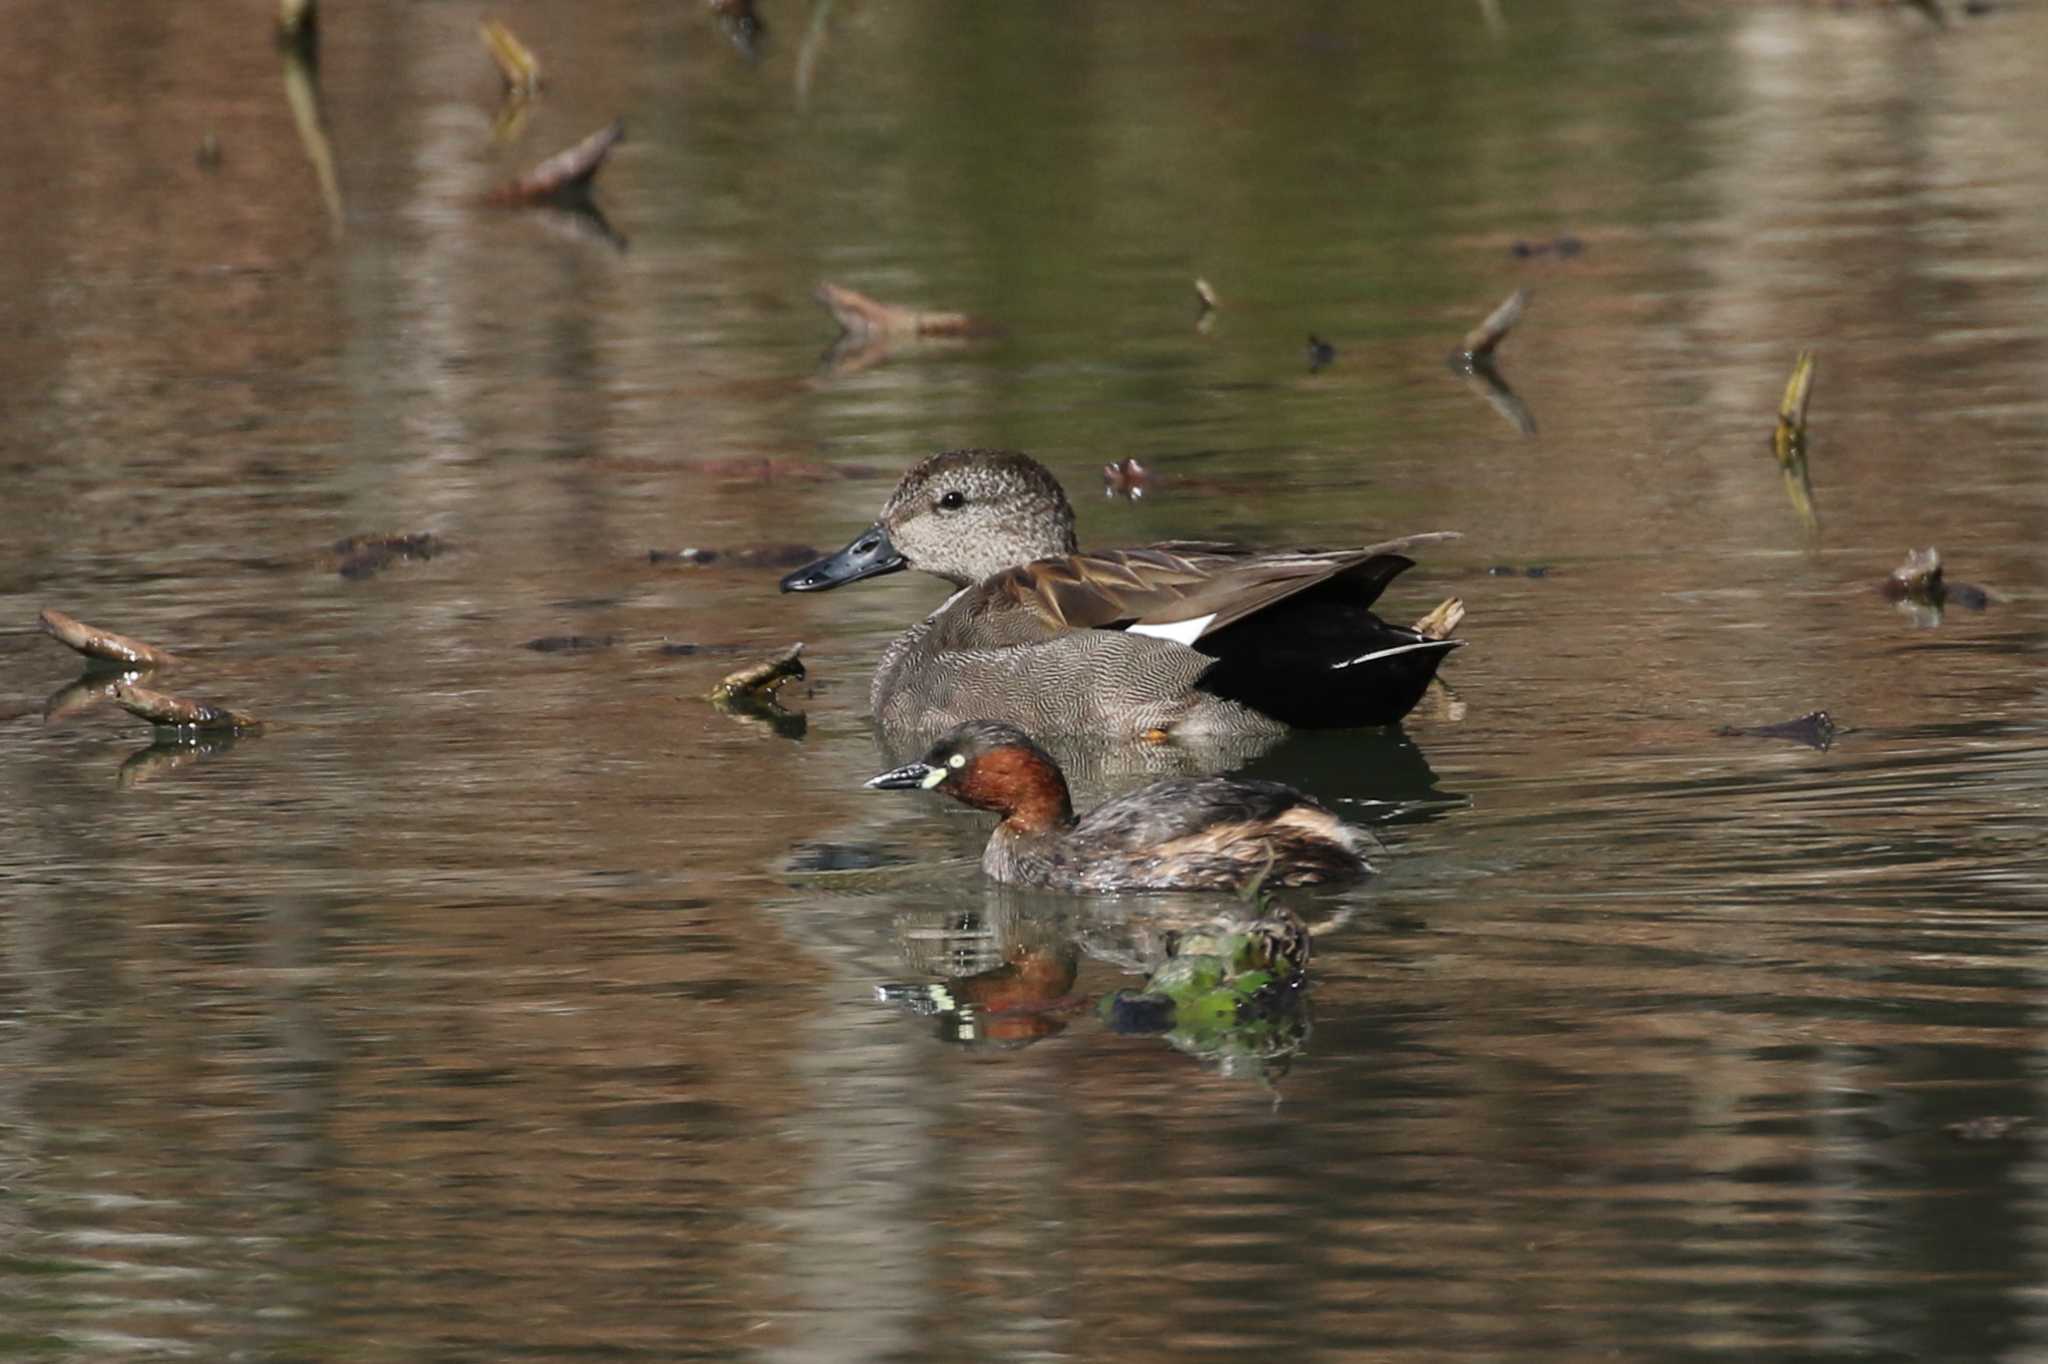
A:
(510, 1002)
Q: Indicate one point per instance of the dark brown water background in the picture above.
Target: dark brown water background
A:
(488, 1005)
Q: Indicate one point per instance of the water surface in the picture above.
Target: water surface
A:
(512, 1003)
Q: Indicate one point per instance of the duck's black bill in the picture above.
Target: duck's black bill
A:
(869, 556)
(909, 777)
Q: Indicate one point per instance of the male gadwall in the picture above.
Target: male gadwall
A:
(1184, 638)
(1184, 833)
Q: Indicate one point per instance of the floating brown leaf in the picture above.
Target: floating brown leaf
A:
(179, 713)
(565, 176)
(1788, 440)
(298, 25)
(763, 677)
(103, 645)
(302, 93)
(862, 317)
(1439, 624)
(362, 556)
(1480, 341)
(1815, 729)
(515, 61)
(741, 24)
(1126, 478)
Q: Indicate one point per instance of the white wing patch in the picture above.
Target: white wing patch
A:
(1389, 653)
(1179, 631)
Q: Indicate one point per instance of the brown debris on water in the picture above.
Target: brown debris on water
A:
(1918, 577)
(570, 644)
(1207, 305)
(1479, 343)
(761, 678)
(564, 178)
(1126, 479)
(870, 329)
(812, 50)
(1918, 585)
(1473, 362)
(741, 25)
(1439, 623)
(862, 317)
(179, 714)
(103, 647)
(302, 94)
(364, 556)
(1816, 729)
(519, 70)
(1788, 439)
(298, 27)
(750, 693)
(517, 66)
(745, 556)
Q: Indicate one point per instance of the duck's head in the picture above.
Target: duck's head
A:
(964, 515)
(991, 767)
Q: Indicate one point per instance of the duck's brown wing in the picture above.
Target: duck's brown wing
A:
(1185, 590)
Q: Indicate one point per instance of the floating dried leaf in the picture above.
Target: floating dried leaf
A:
(1126, 478)
(103, 646)
(1815, 729)
(1205, 295)
(863, 317)
(811, 50)
(1919, 586)
(1480, 341)
(1788, 440)
(741, 24)
(570, 644)
(564, 177)
(298, 25)
(302, 93)
(178, 713)
(515, 61)
(362, 556)
(762, 677)
(1919, 576)
(1439, 624)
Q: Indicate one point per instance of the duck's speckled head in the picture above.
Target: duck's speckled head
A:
(964, 516)
(991, 767)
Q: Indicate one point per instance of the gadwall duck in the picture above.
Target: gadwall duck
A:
(1185, 638)
(1184, 833)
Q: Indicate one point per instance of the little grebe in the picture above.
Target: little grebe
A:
(1185, 833)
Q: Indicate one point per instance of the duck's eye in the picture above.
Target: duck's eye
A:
(958, 760)
(952, 501)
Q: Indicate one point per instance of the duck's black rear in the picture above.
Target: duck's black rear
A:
(1322, 659)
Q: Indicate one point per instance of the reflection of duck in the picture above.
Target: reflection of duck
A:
(1175, 639)
(1201, 833)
